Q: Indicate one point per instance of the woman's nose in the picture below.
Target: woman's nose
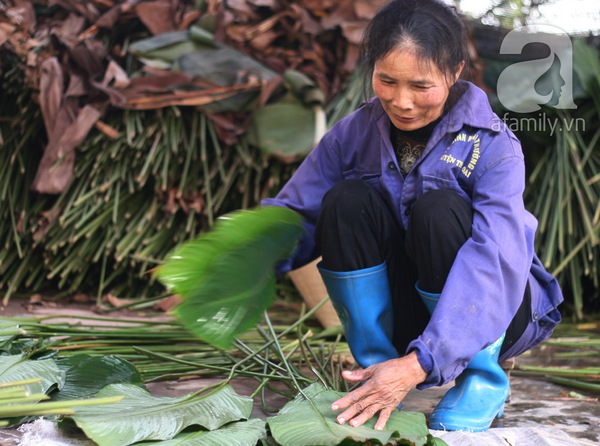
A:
(403, 99)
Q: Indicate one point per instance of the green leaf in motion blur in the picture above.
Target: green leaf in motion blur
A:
(226, 277)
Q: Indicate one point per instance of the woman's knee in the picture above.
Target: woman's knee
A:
(345, 197)
(440, 223)
(438, 208)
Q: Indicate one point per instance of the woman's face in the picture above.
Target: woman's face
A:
(413, 92)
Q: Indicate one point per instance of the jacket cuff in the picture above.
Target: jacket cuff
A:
(428, 363)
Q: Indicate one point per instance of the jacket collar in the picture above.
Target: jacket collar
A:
(472, 109)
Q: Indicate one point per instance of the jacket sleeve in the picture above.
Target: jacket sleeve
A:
(304, 192)
(487, 280)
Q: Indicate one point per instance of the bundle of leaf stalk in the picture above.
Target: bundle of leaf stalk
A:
(564, 187)
(161, 178)
(107, 363)
(571, 344)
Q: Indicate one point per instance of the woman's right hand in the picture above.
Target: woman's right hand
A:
(385, 386)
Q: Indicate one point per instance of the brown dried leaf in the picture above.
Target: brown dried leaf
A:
(366, 9)
(168, 303)
(108, 130)
(56, 167)
(157, 16)
(3, 34)
(353, 30)
(85, 9)
(309, 24)
(352, 58)
(35, 299)
(159, 81)
(239, 33)
(76, 87)
(272, 4)
(81, 298)
(188, 19)
(45, 220)
(228, 126)
(116, 301)
(24, 14)
(137, 101)
(241, 6)
(90, 56)
(115, 74)
(109, 18)
(319, 7)
(264, 40)
(51, 82)
(171, 204)
(69, 29)
(343, 12)
(105, 3)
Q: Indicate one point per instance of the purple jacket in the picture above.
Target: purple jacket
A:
(472, 152)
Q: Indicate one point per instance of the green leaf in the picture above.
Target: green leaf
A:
(290, 128)
(223, 66)
(169, 46)
(304, 87)
(242, 433)
(285, 129)
(198, 38)
(141, 416)
(310, 423)
(86, 375)
(16, 368)
(226, 277)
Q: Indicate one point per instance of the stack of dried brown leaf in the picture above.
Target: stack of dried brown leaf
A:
(128, 126)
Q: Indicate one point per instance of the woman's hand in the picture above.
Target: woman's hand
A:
(387, 384)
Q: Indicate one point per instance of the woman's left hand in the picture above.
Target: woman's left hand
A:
(387, 384)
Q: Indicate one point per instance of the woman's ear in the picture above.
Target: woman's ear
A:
(459, 69)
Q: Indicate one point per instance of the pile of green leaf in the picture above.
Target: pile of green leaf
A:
(105, 396)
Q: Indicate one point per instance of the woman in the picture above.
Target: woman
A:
(415, 203)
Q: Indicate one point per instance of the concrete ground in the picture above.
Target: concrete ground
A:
(540, 413)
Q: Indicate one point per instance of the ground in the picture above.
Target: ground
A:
(539, 413)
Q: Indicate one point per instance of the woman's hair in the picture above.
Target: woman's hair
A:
(430, 28)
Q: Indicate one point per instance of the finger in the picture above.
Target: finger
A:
(356, 375)
(361, 409)
(384, 416)
(351, 398)
(365, 412)
(353, 410)
(345, 416)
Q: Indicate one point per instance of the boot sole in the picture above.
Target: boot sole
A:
(474, 427)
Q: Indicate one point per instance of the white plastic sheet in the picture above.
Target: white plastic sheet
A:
(521, 436)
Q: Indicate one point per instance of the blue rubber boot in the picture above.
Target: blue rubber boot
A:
(479, 393)
(363, 301)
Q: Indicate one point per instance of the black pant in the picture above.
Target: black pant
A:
(356, 230)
